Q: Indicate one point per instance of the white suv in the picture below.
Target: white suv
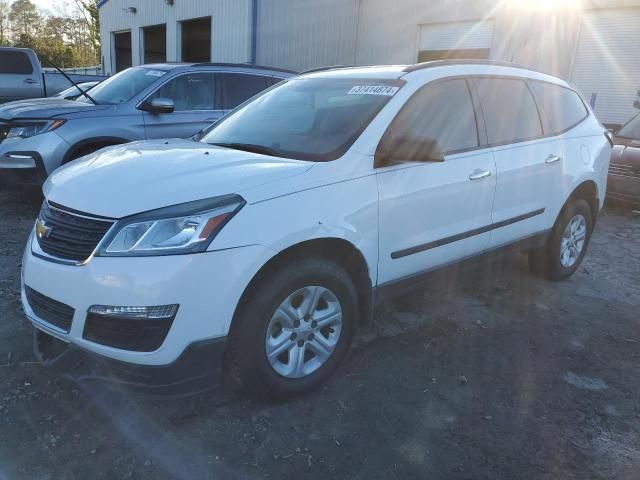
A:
(257, 248)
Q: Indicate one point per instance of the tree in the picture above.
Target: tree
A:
(91, 14)
(4, 22)
(24, 18)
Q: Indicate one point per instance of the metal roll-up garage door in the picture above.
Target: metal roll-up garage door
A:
(455, 40)
(607, 62)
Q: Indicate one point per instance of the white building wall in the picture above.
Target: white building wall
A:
(231, 27)
(301, 34)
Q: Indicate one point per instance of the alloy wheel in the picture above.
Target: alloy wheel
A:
(304, 332)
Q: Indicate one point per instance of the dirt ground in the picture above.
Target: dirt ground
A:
(498, 375)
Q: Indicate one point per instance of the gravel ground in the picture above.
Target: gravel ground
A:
(496, 374)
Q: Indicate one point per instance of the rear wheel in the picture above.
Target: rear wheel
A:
(567, 243)
(295, 330)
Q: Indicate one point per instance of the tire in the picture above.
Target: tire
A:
(290, 337)
(555, 261)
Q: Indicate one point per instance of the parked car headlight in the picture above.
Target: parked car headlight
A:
(179, 229)
(29, 129)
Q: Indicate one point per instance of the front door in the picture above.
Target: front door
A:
(194, 97)
(435, 213)
(18, 78)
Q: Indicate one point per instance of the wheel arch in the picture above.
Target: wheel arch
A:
(104, 141)
(339, 250)
(588, 191)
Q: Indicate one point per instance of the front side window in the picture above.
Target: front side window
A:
(510, 112)
(16, 63)
(441, 112)
(194, 91)
(123, 86)
(238, 87)
(314, 119)
(561, 107)
(631, 129)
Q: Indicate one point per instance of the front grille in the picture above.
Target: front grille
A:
(49, 310)
(70, 235)
(621, 170)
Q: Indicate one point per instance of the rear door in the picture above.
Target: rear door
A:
(18, 78)
(529, 166)
(235, 88)
(194, 97)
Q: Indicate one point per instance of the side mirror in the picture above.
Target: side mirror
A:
(637, 104)
(410, 149)
(159, 105)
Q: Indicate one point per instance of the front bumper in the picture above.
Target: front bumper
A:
(31, 160)
(206, 286)
(197, 369)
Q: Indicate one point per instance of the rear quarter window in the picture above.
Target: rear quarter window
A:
(17, 63)
(562, 108)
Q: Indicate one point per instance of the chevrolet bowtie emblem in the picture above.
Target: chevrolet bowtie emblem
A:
(42, 231)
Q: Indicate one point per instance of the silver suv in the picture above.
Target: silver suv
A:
(146, 102)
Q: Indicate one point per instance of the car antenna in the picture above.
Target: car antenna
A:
(48, 60)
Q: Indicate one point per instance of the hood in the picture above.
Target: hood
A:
(627, 154)
(136, 177)
(44, 108)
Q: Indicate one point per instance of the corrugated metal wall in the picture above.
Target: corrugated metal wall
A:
(302, 34)
(231, 27)
(389, 31)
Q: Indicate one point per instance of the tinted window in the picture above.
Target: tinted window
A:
(443, 112)
(189, 92)
(238, 87)
(15, 62)
(510, 112)
(315, 119)
(561, 107)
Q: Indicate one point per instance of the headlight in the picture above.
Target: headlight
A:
(185, 228)
(29, 129)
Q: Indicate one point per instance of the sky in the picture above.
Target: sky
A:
(49, 4)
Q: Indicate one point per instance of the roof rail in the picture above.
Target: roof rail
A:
(444, 63)
(322, 69)
(243, 65)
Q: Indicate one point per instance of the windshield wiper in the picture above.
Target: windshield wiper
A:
(83, 92)
(248, 147)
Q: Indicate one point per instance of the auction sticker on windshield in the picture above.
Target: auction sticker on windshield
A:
(374, 90)
(156, 73)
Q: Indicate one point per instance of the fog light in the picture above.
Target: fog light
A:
(153, 313)
(140, 329)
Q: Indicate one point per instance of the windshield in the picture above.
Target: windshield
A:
(631, 129)
(307, 119)
(74, 91)
(123, 86)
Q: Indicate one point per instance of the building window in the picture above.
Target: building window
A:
(154, 41)
(196, 40)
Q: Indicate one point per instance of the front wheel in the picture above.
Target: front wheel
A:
(295, 330)
(567, 243)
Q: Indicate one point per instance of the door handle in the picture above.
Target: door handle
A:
(480, 175)
(30, 81)
(553, 159)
